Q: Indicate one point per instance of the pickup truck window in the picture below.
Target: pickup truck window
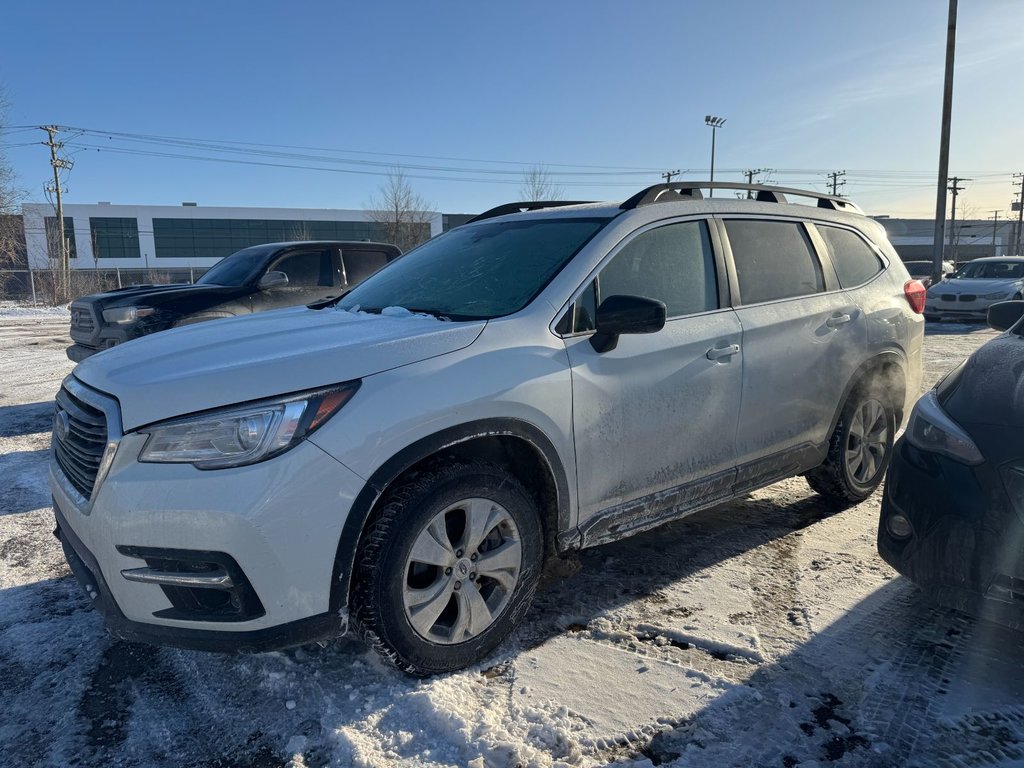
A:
(306, 269)
(360, 264)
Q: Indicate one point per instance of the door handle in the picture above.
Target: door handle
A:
(717, 353)
(836, 320)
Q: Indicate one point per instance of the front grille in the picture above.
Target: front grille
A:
(79, 440)
(948, 297)
(967, 297)
(82, 319)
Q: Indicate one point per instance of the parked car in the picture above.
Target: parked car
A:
(953, 510)
(252, 280)
(922, 270)
(545, 378)
(975, 287)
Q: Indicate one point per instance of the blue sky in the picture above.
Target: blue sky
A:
(806, 87)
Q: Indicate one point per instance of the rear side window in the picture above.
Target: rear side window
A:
(673, 264)
(774, 260)
(359, 265)
(854, 260)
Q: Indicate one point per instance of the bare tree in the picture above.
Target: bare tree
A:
(402, 213)
(12, 230)
(538, 185)
(299, 230)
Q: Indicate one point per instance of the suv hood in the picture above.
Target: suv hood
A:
(977, 287)
(230, 361)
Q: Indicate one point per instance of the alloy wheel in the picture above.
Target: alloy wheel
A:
(462, 570)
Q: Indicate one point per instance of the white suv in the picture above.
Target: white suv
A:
(545, 378)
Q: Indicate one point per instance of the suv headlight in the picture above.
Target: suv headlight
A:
(239, 435)
(930, 429)
(124, 315)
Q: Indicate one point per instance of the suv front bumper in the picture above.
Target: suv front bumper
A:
(279, 522)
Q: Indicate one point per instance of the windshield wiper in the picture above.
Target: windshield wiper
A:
(330, 301)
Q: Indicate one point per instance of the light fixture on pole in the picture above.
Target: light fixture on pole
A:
(715, 123)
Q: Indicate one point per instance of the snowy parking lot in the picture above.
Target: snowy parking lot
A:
(763, 633)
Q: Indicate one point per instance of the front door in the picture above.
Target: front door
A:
(654, 419)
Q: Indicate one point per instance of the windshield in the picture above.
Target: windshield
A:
(236, 269)
(477, 272)
(991, 270)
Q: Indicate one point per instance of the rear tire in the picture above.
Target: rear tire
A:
(447, 568)
(859, 449)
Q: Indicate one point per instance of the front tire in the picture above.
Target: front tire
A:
(859, 449)
(447, 568)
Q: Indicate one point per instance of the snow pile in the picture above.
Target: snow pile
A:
(19, 309)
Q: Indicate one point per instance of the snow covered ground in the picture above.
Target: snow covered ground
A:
(763, 633)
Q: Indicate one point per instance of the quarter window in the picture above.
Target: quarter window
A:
(673, 264)
(774, 260)
(853, 259)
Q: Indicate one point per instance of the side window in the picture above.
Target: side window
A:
(306, 269)
(854, 260)
(673, 264)
(359, 265)
(774, 260)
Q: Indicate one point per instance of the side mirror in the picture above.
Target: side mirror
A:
(626, 314)
(1005, 314)
(272, 280)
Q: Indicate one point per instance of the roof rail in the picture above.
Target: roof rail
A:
(532, 205)
(658, 193)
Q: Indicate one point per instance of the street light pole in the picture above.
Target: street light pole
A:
(715, 123)
(947, 113)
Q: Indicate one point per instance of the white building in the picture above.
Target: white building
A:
(111, 236)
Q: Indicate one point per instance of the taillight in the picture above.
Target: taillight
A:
(915, 292)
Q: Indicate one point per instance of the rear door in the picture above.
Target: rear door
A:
(659, 411)
(800, 344)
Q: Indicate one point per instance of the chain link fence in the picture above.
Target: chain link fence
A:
(49, 286)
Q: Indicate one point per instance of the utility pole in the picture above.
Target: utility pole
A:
(947, 116)
(58, 163)
(954, 188)
(750, 174)
(834, 181)
(995, 225)
(1020, 212)
(667, 175)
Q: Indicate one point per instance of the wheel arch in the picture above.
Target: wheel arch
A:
(518, 445)
(890, 363)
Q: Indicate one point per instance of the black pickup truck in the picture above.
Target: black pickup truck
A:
(252, 280)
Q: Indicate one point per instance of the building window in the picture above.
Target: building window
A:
(216, 238)
(52, 237)
(114, 238)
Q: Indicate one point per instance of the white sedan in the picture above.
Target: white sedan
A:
(973, 288)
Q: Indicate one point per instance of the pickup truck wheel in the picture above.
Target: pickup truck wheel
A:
(202, 318)
(447, 568)
(859, 449)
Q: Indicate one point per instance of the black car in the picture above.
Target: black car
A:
(953, 509)
(254, 279)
